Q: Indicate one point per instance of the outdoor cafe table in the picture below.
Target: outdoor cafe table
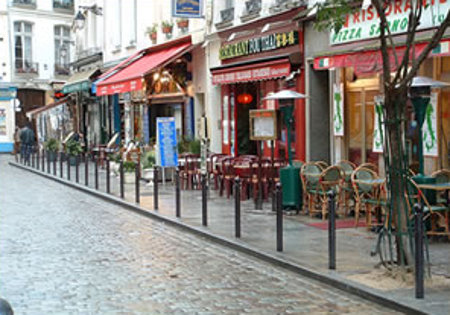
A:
(438, 187)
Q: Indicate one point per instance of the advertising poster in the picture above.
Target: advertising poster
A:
(429, 129)
(378, 127)
(167, 141)
(338, 109)
(2, 122)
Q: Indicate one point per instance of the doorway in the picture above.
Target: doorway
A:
(246, 100)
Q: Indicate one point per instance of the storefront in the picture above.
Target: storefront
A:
(7, 117)
(355, 62)
(88, 106)
(152, 83)
(259, 58)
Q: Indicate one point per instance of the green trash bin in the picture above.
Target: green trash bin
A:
(291, 187)
(429, 193)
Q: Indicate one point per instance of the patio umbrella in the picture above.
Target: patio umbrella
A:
(284, 95)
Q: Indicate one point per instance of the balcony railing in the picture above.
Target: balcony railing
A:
(66, 5)
(25, 3)
(27, 67)
(62, 69)
(252, 7)
(227, 15)
(88, 52)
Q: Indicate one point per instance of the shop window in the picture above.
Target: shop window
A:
(23, 47)
(62, 49)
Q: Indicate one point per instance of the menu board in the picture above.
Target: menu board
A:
(263, 124)
(167, 141)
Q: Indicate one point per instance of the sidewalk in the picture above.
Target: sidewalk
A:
(304, 245)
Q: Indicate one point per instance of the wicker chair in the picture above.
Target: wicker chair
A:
(346, 191)
(309, 174)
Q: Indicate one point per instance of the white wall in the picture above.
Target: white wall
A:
(43, 18)
(5, 56)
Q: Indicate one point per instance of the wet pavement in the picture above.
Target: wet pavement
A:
(66, 252)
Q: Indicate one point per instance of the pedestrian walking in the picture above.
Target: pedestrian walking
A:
(16, 143)
(27, 139)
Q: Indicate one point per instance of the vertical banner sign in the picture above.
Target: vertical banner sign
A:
(2, 122)
(338, 109)
(429, 129)
(378, 127)
(167, 141)
(187, 8)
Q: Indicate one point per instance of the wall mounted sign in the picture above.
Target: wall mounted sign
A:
(378, 127)
(253, 74)
(258, 45)
(364, 24)
(338, 109)
(187, 8)
(8, 93)
(263, 124)
(429, 129)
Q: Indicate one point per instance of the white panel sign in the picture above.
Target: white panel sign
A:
(429, 129)
(338, 109)
(378, 127)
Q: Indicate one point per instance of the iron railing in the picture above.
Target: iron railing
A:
(27, 67)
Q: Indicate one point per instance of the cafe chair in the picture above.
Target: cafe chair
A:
(329, 181)
(370, 166)
(346, 189)
(441, 176)
(368, 195)
(309, 175)
(437, 213)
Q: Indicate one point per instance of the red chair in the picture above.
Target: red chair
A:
(227, 176)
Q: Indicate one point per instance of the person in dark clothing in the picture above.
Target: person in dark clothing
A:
(27, 138)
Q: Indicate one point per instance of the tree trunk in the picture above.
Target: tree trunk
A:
(397, 170)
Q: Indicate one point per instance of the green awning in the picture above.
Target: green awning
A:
(79, 81)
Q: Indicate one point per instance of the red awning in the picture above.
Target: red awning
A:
(254, 72)
(130, 77)
(371, 61)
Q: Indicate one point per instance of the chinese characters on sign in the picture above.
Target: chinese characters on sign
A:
(167, 141)
(257, 45)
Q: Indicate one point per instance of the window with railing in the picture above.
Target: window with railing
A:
(63, 4)
(31, 3)
(23, 35)
(62, 49)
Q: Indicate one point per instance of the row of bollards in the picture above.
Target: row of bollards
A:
(38, 161)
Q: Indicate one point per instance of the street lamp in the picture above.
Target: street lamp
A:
(420, 97)
(286, 101)
(79, 20)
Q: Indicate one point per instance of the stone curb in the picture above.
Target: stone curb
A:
(332, 279)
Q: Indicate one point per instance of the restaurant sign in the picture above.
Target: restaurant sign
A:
(365, 24)
(258, 45)
(187, 8)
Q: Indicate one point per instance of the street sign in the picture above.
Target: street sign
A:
(166, 142)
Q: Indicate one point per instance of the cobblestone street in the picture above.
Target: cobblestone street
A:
(65, 252)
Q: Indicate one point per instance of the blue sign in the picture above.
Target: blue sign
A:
(187, 8)
(8, 93)
(167, 141)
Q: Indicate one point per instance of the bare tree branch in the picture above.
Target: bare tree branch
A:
(431, 45)
(378, 4)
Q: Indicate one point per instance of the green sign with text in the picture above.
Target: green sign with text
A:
(257, 45)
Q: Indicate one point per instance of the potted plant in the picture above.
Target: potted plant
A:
(166, 27)
(152, 31)
(148, 161)
(183, 23)
(73, 150)
(51, 146)
(129, 169)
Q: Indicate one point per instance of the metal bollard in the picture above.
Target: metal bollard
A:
(5, 307)
(48, 162)
(96, 173)
(43, 161)
(86, 169)
(32, 159)
(54, 163)
(237, 206)
(177, 193)
(122, 193)
(137, 183)
(61, 164)
(279, 218)
(77, 168)
(68, 167)
(419, 263)
(155, 188)
(38, 160)
(108, 180)
(204, 201)
(331, 230)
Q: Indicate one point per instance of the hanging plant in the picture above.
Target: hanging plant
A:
(182, 23)
(166, 27)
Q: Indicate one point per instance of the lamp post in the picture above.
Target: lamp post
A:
(420, 97)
